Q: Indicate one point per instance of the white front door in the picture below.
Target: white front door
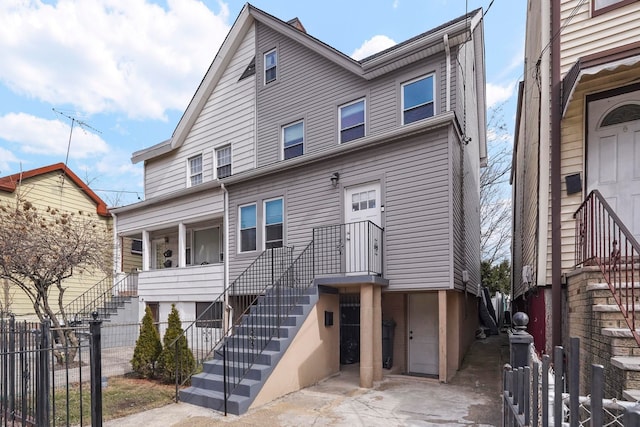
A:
(423, 334)
(613, 155)
(363, 243)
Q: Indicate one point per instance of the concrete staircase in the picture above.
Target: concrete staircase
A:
(207, 387)
(612, 339)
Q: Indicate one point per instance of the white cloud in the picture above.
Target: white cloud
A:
(6, 157)
(497, 93)
(109, 56)
(34, 135)
(371, 46)
(396, 3)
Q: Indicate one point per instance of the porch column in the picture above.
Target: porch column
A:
(377, 333)
(182, 245)
(146, 250)
(442, 335)
(366, 335)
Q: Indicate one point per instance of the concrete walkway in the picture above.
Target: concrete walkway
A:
(472, 398)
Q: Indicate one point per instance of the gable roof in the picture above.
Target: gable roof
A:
(9, 183)
(457, 31)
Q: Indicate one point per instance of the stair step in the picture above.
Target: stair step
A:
(632, 395)
(605, 286)
(215, 382)
(236, 405)
(626, 363)
(612, 308)
(618, 332)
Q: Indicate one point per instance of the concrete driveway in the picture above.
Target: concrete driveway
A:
(472, 398)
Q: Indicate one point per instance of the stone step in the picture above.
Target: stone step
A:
(630, 367)
(622, 341)
(632, 395)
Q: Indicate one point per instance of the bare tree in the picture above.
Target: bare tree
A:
(495, 194)
(39, 250)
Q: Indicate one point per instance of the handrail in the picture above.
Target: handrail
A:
(99, 294)
(205, 333)
(254, 333)
(602, 239)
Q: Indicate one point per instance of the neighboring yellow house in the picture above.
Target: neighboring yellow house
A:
(58, 187)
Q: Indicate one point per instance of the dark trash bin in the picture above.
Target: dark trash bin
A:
(388, 326)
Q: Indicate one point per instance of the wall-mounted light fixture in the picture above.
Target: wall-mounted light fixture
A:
(334, 179)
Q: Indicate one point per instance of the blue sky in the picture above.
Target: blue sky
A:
(128, 69)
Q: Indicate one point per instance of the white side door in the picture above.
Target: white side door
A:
(613, 156)
(423, 334)
(363, 244)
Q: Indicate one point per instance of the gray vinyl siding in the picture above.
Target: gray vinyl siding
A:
(228, 117)
(415, 184)
(173, 211)
(325, 86)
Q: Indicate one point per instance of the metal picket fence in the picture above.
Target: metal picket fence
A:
(42, 382)
(543, 393)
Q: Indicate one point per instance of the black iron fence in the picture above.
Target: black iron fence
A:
(354, 248)
(547, 392)
(42, 382)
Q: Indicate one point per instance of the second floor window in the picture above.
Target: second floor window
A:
(195, 170)
(352, 121)
(223, 162)
(248, 228)
(273, 220)
(293, 140)
(270, 66)
(417, 99)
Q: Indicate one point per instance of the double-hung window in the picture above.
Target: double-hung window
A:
(417, 99)
(602, 6)
(248, 228)
(273, 221)
(223, 162)
(293, 140)
(195, 170)
(270, 66)
(351, 118)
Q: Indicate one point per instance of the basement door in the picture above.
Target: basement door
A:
(363, 243)
(613, 154)
(423, 334)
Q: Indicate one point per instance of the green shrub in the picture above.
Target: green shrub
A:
(148, 348)
(167, 361)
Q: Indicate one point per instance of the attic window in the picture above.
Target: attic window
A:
(270, 66)
(622, 114)
(250, 70)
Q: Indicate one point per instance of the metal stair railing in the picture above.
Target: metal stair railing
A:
(99, 296)
(239, 350)
(602, 239)
(206, 332)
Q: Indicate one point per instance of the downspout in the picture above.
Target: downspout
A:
(227, 310)
(447, 50)
(117, 253)
(556, 258)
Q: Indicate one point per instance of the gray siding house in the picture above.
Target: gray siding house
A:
(365, 174)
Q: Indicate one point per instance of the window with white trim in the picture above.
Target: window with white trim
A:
(248, 228)
(223, 162)
(270, 66)
(273, 223)
(209, 314)
(293, 140)
(352, 120)
(195, 170)
(417, 99)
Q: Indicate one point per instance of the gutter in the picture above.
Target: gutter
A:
(556, 194)
(396, 134)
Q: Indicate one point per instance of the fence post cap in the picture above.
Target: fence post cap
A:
(520, 321)
(94, 314)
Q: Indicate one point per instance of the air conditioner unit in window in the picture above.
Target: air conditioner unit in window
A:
(527, 274)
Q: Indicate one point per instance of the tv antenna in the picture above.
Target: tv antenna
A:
(74, 121)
